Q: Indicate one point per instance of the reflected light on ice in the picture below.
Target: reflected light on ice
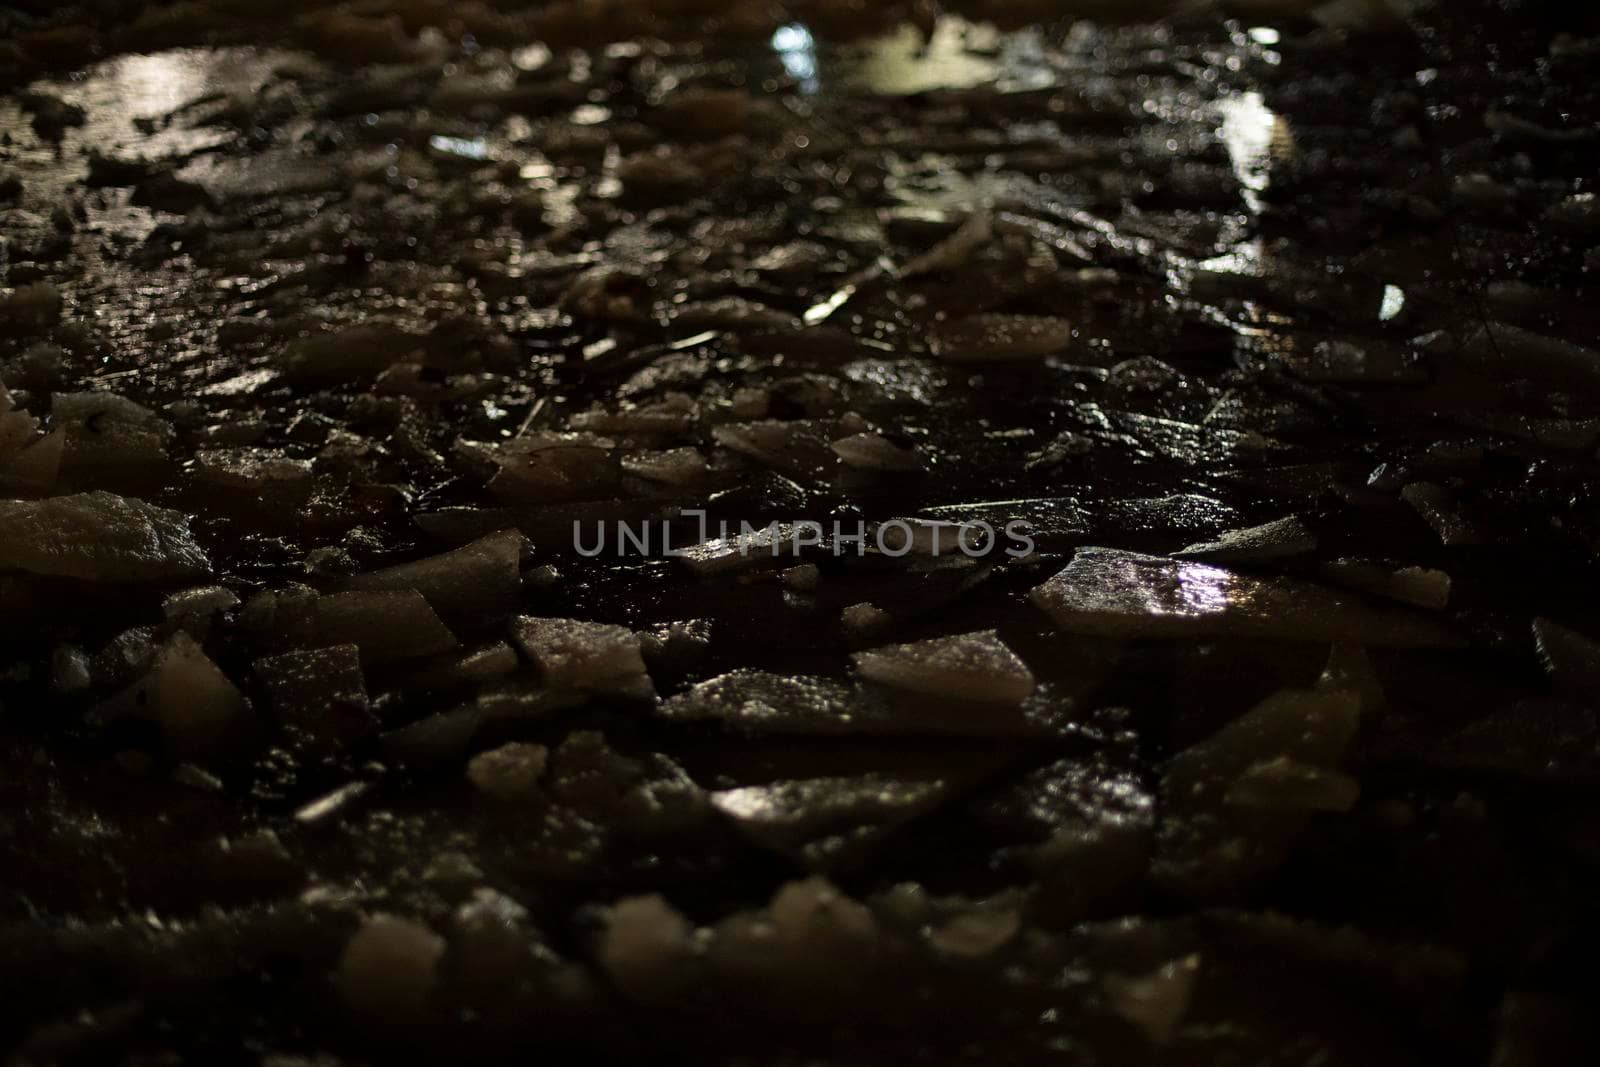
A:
(1248, 130)
(797, 51)
(157, 85)
(1245, 258)
(1253, 135)
(464, 147)
(1183, 590)
(748, 803)
(1203, 590)
(1394, 302)
(903, 63)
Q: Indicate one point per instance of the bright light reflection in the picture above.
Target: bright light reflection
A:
(1248, 126)
(797, 51)
(531, 57)
(1177, 589)
(1244, 258)
(1203, 590)
(903, 63)
(156, 85)
(1394, 302)
(751, 802)
(465, 147)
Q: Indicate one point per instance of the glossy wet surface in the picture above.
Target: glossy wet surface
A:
(1259, 726)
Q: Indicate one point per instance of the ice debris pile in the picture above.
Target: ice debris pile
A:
(798, 531)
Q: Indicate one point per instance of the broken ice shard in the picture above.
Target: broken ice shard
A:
(827, 824)
(99, 537)
(1280, 539)
(1109, 592)
(587, 656)
(976, 666)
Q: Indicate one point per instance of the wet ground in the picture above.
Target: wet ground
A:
(1246, 712)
